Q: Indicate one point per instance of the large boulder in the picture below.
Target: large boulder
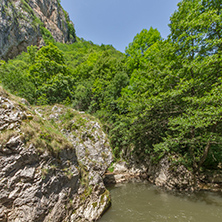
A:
(52, 162)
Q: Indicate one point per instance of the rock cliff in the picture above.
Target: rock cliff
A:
(52, 160)
(26, 22)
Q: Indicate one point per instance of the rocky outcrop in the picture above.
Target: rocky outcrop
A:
(17, 29)
(122, 172)
(23, 23)
(93, 153)
(164, 174)
(169, 174)
(54, 18)
(47, 175)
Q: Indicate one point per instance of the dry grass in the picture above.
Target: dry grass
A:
(42, 133)
(44, 136)
(6, 135)
(3, 93)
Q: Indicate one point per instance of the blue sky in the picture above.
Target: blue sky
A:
(116, 22)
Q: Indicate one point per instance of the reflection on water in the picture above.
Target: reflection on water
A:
(146, 203)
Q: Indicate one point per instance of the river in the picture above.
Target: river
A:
(143, 202)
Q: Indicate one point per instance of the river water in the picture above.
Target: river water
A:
(143, 202)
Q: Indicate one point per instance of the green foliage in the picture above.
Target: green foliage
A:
(14, 77)
(139, 48)
(171, 104)
(161, 97)
(50, 76)
(71, 30)
(47, 36)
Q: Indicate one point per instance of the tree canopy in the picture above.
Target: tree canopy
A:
(162, 97)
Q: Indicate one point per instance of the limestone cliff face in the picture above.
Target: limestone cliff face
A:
(17, 29)
(54, 18)
(52, 160)
(22, 23)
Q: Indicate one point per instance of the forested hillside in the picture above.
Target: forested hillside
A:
(163, 96)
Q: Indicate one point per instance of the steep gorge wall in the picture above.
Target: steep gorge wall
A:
(54, 18)
(22, 22)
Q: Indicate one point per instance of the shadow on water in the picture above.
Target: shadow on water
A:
(210, 198)
(145, 202)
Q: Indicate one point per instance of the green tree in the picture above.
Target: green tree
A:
(14, 77)
(141, 43)
(50, 76)
(195, 132)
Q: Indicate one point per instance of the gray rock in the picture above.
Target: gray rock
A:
(39, 184)
(120, 167)
(17, 30)
(170, 176)
(19, 26)
(164, 174)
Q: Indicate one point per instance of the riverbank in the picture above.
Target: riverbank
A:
(164, 175)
